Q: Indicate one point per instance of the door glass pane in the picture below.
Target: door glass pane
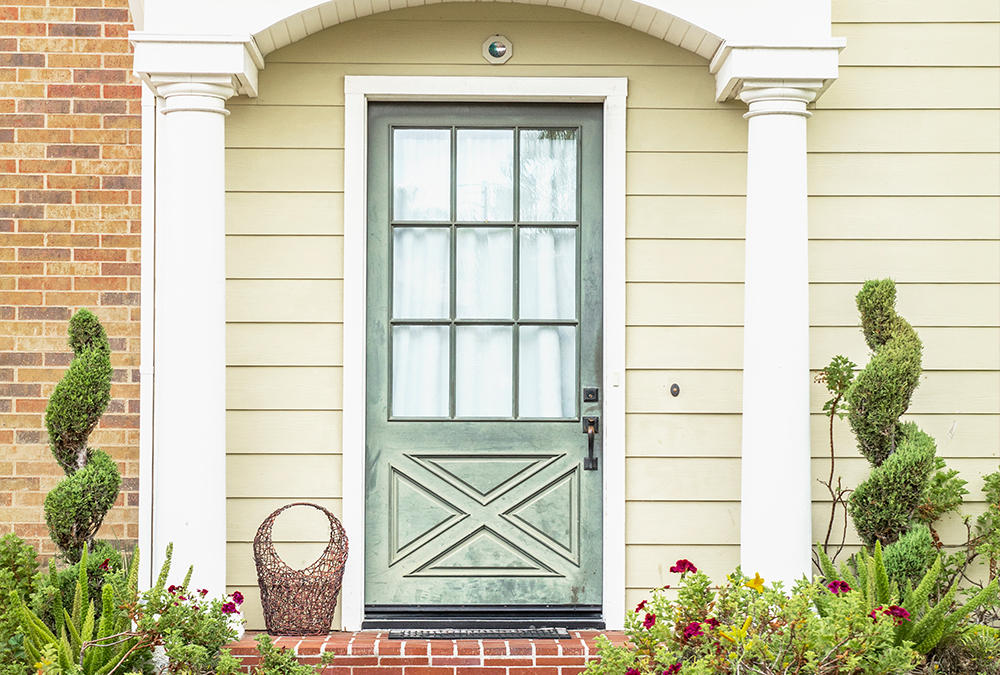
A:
(420, 371)
(421, 174)
(483, 371)
(485, 175)
(547, 377)
(421, 272)
(548, 273)
(548, 175)
(484, 271)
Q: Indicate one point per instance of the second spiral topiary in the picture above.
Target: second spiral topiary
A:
(884, 508)
(75, 508)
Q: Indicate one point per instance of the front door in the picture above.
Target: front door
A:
(483, 363)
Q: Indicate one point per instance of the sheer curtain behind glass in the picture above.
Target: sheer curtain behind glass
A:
(484, 273)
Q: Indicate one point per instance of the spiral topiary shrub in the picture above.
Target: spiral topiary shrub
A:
(75, 508)
(884, 507)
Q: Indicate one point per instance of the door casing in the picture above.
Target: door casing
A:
(611, 92)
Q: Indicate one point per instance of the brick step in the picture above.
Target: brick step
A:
(373, 653)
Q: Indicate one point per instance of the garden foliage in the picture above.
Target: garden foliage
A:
(747, 626)
(902, 489)
(18, 565)
(929, 621)
(121, 636)
(81, 642)
(75, 508)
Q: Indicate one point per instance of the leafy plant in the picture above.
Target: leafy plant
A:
(80, 642)
(929, 622)
(747, 626)
(18, 565)
(104, 565)
(75, 508)
(908, 487)
(274, 660)
(837, 376)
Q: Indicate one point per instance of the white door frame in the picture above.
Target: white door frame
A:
(611, 92)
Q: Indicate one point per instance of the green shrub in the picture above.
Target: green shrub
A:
(908, 484)
(746, 626)
(75, 509)
(930, 622)
(18, 565)
(84, 641)
(103, 565)
(273, 661)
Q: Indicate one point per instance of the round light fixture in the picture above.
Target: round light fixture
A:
(497, 49)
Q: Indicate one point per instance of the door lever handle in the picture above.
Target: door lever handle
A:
(591, 427)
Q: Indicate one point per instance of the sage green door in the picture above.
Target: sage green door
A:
(483, 329)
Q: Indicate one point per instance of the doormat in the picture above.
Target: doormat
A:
(479, 634)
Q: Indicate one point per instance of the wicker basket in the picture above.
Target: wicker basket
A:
(299, 602)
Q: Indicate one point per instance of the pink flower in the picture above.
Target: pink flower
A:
(648, 622)
(203, 592)
(692, 629)
(632, 671)
(712, 622)
(838, 587)
(673, 670)
(683, 565)
(898, 614)
(641, 605)
(229, 608)
(237, 597)
(182, 597)
(171, 589)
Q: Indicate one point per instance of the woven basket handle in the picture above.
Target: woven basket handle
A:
(264, 544)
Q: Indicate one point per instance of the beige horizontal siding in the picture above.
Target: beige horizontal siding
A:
(904, 177)
(958, 435)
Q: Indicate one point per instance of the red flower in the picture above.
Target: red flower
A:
(104, 565)
(673, 670)
(203, 592)
(838, 587)
(229, 608)
(172, 589)
(648, 622)
(712, 622)
(632, 671)
(683, 565)
(237, 597)
(692, 629)
(182, 597)
(641, 605)
(194, 607)
(898, 614)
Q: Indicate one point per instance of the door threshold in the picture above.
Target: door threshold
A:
(482, 617)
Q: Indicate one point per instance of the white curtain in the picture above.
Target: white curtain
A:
(484, 277)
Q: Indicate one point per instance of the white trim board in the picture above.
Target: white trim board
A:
(358, 91)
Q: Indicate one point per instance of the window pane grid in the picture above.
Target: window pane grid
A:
(561, 329)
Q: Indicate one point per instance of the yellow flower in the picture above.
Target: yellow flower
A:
(757, 583)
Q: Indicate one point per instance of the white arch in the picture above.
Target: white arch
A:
(284, 30)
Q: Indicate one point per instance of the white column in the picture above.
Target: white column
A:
(189, 423)
(776, 521)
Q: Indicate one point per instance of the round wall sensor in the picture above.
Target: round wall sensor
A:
(497, 49)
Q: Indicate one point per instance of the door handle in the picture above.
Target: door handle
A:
(591, 427)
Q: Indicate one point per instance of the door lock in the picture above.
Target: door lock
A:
(591, 427)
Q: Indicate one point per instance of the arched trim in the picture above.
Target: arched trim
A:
(636, 15)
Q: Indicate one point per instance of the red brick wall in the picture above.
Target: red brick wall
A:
(69, 238)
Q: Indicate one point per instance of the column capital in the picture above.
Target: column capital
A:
(204, 94)
(810, 66)
(766, 97)
(207, 65)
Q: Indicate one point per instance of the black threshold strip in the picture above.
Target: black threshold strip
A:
(481, 620)
(479, 634)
